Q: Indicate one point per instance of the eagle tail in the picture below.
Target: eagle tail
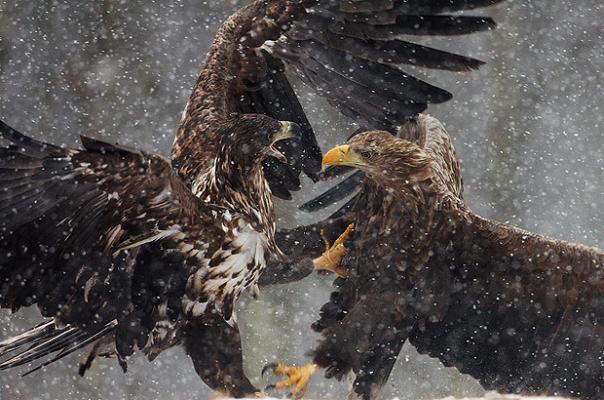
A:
(47, 339)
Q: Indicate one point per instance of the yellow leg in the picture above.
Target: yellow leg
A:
(297, 379)
(330, 259)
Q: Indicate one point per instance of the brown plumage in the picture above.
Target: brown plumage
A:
(516, 310)
(112, 245)
(348, 51)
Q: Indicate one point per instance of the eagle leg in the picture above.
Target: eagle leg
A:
(333, 254)
(297, 379)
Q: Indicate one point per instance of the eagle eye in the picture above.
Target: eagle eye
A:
(366, 154)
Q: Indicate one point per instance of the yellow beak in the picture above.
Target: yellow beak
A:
(339, 155)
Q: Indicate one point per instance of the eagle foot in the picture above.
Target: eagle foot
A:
(297, 379)
(330, 259)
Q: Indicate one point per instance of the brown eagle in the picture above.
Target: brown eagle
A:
(112, 245)
(516, 310)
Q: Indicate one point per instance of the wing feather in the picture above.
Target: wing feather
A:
(534, 304)
(100, 240)
(69, 219)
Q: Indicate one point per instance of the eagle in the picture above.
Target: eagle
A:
(113, 246)
(520, 312)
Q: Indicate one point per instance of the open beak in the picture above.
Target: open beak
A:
(340, 155)
(289, 130)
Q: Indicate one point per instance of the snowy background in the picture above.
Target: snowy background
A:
(528, 127)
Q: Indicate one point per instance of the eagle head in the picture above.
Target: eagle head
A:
(253, 137)
(383, 157)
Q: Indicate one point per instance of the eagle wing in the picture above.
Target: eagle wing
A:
(348, 51)
(352, 52)
(75, 225)
(525, 314)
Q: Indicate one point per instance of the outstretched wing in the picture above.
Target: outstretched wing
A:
(351, 52)
(73, 221)
(526, 313)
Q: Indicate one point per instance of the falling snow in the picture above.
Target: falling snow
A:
(528, 127)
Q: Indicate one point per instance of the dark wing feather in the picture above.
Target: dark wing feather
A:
(527, 314)
(386, 13)
(424, 25)
(335, 194)
(63, 231)
(399, 52)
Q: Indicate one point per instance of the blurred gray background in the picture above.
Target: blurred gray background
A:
(528, 127)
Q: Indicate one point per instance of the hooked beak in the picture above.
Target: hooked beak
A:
(340, 155)
(289, 130)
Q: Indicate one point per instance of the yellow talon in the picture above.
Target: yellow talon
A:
(297, 379)
(330, 259)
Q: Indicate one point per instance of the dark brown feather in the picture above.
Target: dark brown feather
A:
(518, 311)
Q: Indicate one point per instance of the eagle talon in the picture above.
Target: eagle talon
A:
(330, 259)
(269, 366)
(297, 379)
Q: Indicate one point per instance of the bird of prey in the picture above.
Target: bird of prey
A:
(518, 311)
(349, 51)
(112, 245)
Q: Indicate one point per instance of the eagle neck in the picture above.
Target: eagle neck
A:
(244, 191)
(414, 204)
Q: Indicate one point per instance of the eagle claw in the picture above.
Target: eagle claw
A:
(333, 254)
(297, 378)
(269, 366)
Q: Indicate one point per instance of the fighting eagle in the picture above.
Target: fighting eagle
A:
(518, 311)
(349, 51)
(112, 245)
